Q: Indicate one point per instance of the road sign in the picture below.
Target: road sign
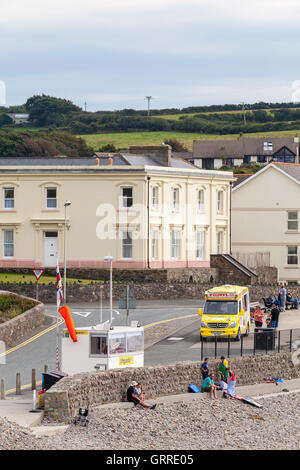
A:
(127, 301)
(38, 273)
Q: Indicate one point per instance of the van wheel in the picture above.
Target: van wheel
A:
(238, 336)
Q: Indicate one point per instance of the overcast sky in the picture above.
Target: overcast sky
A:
(112, 53)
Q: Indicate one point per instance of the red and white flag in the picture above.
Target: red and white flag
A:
(59, 289)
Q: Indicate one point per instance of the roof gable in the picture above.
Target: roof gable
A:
(290, 170)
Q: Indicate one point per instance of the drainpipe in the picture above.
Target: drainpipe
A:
(148, 221)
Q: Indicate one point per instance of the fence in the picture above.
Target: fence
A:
(263, 342)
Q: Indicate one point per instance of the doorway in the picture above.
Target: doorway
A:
(50, 249)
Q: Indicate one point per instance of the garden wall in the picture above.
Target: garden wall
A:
(12, 331)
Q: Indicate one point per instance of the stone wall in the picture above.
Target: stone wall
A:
(142, 291)
(12, 331)
(63, 400)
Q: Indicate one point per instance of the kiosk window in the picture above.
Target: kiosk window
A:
(98, 345)
(134, 342)
(117, 344)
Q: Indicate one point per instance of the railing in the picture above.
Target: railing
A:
(264, 342)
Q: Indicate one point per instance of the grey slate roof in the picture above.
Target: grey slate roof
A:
(291, 169)
(239, 148)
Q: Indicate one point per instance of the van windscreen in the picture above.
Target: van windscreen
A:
(221, 307)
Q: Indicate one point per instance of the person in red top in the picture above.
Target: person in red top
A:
(232, 382)
(258, 316)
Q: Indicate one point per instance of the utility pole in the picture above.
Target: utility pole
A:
(244, 113)
(85, 106)
(148, 98)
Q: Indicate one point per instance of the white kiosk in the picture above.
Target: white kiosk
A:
(102, 347)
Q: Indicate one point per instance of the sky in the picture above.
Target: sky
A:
(111, 54)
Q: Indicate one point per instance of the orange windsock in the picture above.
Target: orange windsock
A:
(66, 314)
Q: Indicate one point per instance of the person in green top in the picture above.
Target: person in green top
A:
(209, 386)
(222, 369)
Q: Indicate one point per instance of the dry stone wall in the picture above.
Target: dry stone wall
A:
(63, 400)
(12, 331)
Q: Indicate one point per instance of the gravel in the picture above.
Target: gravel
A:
(201, 424)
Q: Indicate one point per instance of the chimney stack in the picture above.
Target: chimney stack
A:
(162, 153)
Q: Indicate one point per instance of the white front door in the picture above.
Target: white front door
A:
(50, 249)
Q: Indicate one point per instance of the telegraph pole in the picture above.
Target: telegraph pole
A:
(148, 98)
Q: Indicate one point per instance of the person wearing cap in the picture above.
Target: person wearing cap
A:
(133, 397)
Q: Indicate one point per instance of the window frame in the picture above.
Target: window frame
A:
(292, 255)
(49, 188)
(5, 243)
(8, 199)
(220, 201)
(124, 246)
(202, 232)
(292, 220)
(175, 244)
(220, 243)
(126, 198)
(200, 200)
(154, 246)
(155, 197)
(175, 200)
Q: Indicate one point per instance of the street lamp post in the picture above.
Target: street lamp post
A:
(110, 259)
(66, 204)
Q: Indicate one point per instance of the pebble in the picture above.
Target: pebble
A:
(198, 425)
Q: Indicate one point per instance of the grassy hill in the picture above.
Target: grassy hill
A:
(125, 139)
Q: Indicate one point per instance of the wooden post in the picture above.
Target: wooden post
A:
(33, 379)
(45, 369)
(18, 383)
(2, 389)
(37, 290)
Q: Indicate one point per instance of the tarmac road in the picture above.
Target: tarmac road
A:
(41, 351)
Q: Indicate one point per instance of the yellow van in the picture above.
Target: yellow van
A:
(226, 312)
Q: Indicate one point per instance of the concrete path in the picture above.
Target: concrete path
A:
(18, 410)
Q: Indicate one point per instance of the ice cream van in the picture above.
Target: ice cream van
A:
(226, 312)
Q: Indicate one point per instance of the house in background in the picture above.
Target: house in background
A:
(213, 154)
(266, 220)
(19, 118)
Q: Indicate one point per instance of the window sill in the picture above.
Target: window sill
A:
(291, 266)
(7, 210)
(291, 231)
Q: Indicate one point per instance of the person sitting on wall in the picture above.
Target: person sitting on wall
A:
(209, 386)
(291, 300)
(132, 397)
(272, 299)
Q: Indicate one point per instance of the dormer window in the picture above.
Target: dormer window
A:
(268, 146)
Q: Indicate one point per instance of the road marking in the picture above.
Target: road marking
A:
(33, 338)
(174, 338)
(82, 314)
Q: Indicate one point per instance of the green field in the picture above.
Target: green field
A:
(125, 139)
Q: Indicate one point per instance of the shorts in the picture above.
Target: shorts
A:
(134, 400)
(274, 324)
(258, 323)
(206, 389)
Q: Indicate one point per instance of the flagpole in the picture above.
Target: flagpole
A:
(59, 297)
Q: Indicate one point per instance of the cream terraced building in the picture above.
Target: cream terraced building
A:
(266, 220)
(143, 207)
